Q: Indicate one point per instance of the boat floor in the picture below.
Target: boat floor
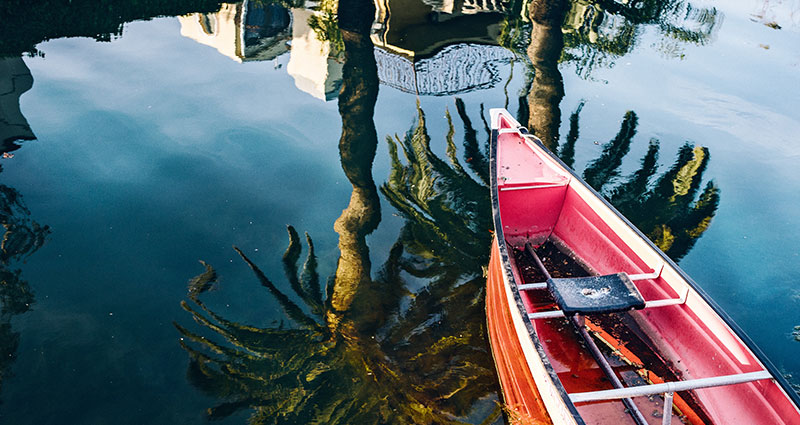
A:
(631, 352)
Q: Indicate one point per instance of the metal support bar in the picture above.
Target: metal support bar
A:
(546, 314)
(669, 387)
(664, 303)
(644, 276)
(579, 323)
(531, 286)
(538, 260)
(666, 417)
(649, 304)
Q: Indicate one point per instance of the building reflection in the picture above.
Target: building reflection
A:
(246, 31)
(425, 48)
(15, 79)
(314, 64)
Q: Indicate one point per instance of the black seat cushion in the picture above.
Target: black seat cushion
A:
(596, 294)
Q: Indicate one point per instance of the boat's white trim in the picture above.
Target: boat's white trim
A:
(556, 406)
(494, 116)
(670, 387)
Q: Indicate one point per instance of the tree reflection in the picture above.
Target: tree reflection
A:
(670, 209)
(368, 351)
(544, 52)
(596, 33)
(591, 34)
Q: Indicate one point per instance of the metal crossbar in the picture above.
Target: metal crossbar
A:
(531, 286)
(649, 304)
(543, 285)
(669, 389)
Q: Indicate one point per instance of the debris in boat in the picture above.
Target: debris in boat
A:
(8, 155)
(796, 333)
(595, 293)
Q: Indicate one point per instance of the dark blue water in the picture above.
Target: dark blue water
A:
(178, 138)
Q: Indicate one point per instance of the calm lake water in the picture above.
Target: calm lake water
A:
(157, 151)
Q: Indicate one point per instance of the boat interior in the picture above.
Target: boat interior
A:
(628, 336)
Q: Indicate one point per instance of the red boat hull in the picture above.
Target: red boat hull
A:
(521, 397)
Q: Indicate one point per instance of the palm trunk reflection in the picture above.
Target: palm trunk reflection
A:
(544, 52)
(365, 352)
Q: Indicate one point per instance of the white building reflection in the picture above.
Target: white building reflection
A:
(15, 79)
(426, 47)
(242, 31)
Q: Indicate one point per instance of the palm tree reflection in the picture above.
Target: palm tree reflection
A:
(670, 209)
(407, 344)
(368, 351)
(386, 355)
(382, 357)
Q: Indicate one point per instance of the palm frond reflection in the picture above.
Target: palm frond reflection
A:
(670, 209)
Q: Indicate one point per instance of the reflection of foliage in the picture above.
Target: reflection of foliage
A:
(22, 238)
(309, 373)
(606, 167)
(567, 150)
(669, 210)
(421, 359)
(446, 236)
(325, 24)
(514, 31)
(447, 207)
(600, 31)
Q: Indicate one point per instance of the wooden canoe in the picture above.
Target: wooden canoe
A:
(590, 323)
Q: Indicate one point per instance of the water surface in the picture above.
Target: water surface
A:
(149, 141)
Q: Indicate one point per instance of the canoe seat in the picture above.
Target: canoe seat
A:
(595, 294)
